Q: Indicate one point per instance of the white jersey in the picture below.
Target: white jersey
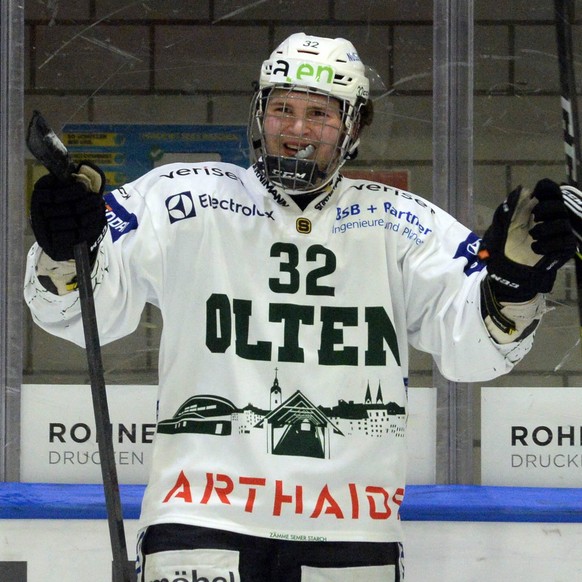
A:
(283, 359)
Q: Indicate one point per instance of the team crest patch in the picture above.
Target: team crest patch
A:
(303, 225)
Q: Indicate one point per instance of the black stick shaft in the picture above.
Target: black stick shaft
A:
(564, 17)
(46, 147)
(101, 411)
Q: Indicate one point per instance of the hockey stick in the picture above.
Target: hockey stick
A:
(564, 16)
(48, 149)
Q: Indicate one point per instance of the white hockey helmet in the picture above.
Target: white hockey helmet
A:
(310, 64)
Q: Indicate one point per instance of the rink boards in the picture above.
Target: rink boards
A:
(58, 532)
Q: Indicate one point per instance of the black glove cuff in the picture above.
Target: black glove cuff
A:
(491, 307)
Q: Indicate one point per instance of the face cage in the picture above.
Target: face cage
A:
(301, 173)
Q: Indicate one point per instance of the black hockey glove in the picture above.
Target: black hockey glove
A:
(65, 214)
(529, 239)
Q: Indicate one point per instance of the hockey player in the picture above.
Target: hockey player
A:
(289, 296)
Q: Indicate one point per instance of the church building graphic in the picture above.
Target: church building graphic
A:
(293, 427)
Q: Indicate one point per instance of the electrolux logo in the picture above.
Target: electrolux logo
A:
(180, 206)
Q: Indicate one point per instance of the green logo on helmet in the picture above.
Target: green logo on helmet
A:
(294, 71)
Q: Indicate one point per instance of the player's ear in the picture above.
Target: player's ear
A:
(365, 118)
(366, 114)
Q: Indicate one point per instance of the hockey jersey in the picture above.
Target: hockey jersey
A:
(283, 363)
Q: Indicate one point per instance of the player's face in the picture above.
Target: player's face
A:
(294, 120)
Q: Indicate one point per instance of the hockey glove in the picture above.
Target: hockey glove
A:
(573, 201)
(529, 239)
(65, 214)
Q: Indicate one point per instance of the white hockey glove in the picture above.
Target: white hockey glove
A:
(58, 277)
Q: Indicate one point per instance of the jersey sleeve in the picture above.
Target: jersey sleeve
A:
(442, 281)
(126, 275)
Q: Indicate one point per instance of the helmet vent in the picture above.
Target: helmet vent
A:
(342, 80)
(308, 52)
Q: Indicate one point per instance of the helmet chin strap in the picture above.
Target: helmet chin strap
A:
(293, 173)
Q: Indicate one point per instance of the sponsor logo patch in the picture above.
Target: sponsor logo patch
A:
(180, 206)
(120, 221)
(468, 250)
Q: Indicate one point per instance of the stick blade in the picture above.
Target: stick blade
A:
(47, 148)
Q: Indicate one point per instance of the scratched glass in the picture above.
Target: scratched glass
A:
(178, 64)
